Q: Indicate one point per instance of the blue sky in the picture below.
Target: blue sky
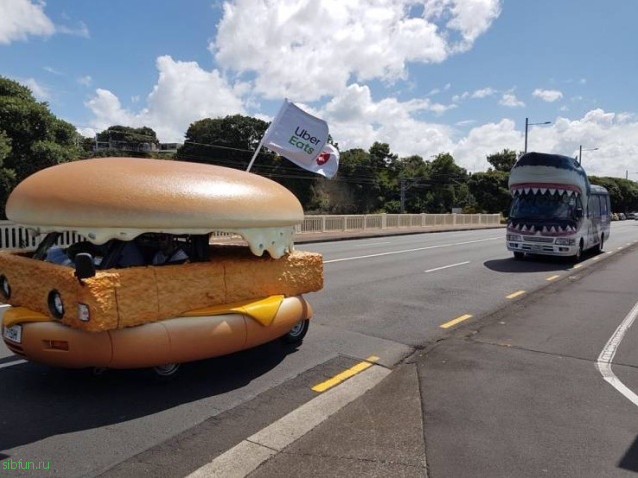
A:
(427, 76)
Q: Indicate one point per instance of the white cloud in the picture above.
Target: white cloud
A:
(510, 99)
(471, 151)
(547, 95)
(41, 92)
(483, 93)
(20, 19)
(356, 121)
(183, 94)
(80, 31)
(85, 80)
(52, 70)
(477, 94)
(312, 49)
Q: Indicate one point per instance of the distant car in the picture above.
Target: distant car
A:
(614, 216)
(631, 215)
(621, 216)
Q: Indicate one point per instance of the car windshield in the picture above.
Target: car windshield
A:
(544, 206)
(147, 249)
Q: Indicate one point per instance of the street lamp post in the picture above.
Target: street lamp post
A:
(580, 153)
(527, 125)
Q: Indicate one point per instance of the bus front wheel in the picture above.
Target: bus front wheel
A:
(599, 249)
(579, 253)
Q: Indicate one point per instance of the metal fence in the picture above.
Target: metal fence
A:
(316, 224)
(13, 236)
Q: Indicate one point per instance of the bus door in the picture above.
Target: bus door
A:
(593, 228)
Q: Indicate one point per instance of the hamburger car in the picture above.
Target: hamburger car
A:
(143, 286)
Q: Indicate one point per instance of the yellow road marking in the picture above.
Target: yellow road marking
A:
(553, 277)
(337, 379)
(577, 266)
(455, 321)
(515, 294)
(596, 258)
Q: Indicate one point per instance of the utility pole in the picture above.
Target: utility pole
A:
(527, 125)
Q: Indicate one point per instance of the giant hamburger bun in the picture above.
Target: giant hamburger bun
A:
(107, 198)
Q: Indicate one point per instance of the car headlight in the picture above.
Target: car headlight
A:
(83, 312)
(5, 287)
(514, 237)
(56, 307)
(564, 241)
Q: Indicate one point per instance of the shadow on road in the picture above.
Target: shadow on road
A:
(629, 461)
(59, 401)
(532, 263)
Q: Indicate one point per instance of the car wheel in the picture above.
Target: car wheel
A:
(297, 333)
(519, 255)
(579, 253)
(165, 372)
(601, 243)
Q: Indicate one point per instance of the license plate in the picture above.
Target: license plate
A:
(536, 247)
(13, 333)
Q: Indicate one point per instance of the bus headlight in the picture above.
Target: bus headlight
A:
(564, 241)
(514, 237)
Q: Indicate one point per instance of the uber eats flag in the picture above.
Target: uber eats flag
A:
(301, 138)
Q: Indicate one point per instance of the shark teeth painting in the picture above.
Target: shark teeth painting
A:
(555, 210)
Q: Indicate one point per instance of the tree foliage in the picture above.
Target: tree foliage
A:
(31, 137)
(231, 141)
(503, 161)
(368, 181)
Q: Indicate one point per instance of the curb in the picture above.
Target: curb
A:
(246, 456)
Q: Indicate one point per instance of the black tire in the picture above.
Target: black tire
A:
(599, 248)
(164, 373)
(297, 333)
(519, 255)
(579, 253)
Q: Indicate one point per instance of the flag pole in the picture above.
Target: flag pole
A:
(255, 155)
(274, 122)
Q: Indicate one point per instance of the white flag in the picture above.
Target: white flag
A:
(328, 161)
(299, 137)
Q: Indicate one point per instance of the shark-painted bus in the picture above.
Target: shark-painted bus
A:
(555, 210)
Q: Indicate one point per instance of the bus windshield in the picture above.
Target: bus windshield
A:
(544, 206)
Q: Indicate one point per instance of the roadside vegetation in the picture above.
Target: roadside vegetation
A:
(369, 181)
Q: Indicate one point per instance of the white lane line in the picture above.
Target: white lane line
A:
(401, 252)
(478, 240)
(603, 364)
(245, 457)
(386, 253)
(372, 244)
(11, 364)
(447, 267)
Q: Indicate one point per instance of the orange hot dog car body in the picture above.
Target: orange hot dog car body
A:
(142, 286)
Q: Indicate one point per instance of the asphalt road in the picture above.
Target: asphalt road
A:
(383, 297)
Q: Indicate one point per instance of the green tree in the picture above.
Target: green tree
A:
(623, 193)
(231, 141)
(33, 137)
(490, 191)
(7, 176)
(447, 184)
(503, 161)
